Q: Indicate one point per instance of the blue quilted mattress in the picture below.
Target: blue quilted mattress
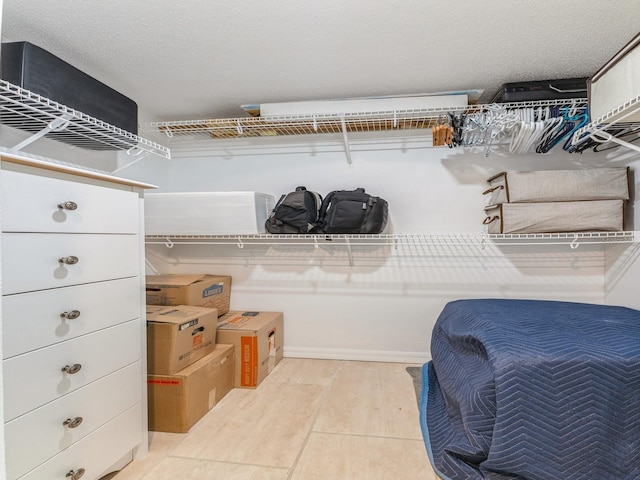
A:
(535, 390)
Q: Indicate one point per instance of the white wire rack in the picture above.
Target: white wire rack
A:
(42, 117)
(402, 250)
(188, 131)
(225, 128)
(625, 116)
(446, 239)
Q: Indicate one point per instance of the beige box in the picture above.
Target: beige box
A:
(178, 336)
(555, 217)
(615, 85)
(177, 402)
(210, 291)
(258, 338)
(610, 183)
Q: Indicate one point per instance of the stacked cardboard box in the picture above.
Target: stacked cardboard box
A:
(188, 373)
(178, 336)
(557, 201)
(178, 401)
(210, 291)
(258, 340)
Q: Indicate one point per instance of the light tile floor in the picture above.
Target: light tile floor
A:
(309, 419)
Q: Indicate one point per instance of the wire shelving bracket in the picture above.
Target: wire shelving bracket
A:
(623, 115)
(42, 117)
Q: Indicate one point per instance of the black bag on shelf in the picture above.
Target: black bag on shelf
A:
(35, 69)
(353, 211)
(295, 212)
(541, 90)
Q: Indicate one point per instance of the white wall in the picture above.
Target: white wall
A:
(384, 306)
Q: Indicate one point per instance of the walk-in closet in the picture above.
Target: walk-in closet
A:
(144, 143)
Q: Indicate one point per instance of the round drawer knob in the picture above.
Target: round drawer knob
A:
(72, 315)
(68, 205)
(71, 260)
(71, 369)
(72, 422)
(75, 474)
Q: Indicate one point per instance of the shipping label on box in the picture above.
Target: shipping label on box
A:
(178, 336)
(258, 338)
(177, 402)
(209, 291)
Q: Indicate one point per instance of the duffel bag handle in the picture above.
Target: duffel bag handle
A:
(489, 220)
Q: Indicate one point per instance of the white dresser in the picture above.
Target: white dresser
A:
(74, 361)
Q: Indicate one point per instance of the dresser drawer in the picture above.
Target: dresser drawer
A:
(37, 377)
(41, 434)
(96, 452)
(31, 261)
(33, 203)
(35, 320)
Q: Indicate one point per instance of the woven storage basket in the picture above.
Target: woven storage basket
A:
(554, 217)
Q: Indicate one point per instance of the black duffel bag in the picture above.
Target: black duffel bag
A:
(353, 212)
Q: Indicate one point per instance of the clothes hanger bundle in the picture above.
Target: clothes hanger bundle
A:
(571, 120)
(442, 133)
(629, 132)
(542, 128)
(490, 126)
(529, 129)
(535, 125)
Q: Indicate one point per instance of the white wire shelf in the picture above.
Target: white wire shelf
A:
(625, 116)
(309, 124)
(42, 117)
(440, 239)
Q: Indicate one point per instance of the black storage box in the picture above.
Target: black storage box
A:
(542, 90)
(34, 69)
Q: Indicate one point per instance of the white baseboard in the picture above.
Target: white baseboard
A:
(360, 355)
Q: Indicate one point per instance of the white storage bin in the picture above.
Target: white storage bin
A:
(554, 217)
(559, 185)
(207, 213)
(615, 84)
(355, 106)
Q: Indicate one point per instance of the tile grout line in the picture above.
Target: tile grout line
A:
(210, 460)
(345, 434)
(315, 418)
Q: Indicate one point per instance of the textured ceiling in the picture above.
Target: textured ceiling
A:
(192, 59)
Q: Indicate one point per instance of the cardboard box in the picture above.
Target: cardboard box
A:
(210, 291)
(178, 336)
(258, 338)
(177, 402)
